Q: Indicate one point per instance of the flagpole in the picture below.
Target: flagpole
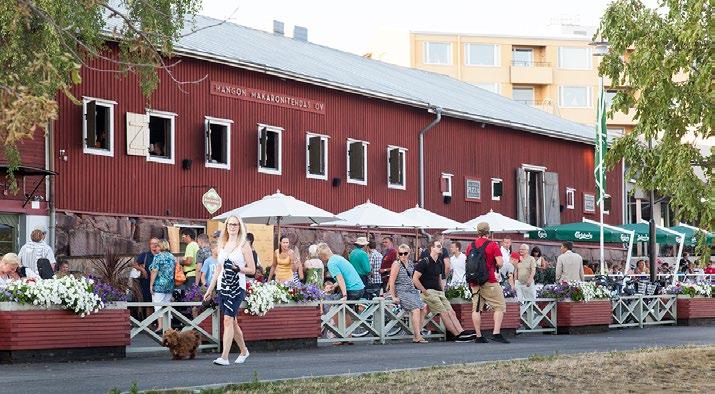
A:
(601, 173)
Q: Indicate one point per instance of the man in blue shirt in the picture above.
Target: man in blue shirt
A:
(351, 286)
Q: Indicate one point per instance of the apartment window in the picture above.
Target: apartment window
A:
(269, 149)
(218, 142)
(492, 87)
(482, 54)
(497, 189)
(571, 58)
(98, 126)
(570, 198)
(609, 96)
(162, 130)
(438, 53)
(357, 161)
(522, 57)
(316, 156)
(445, 184)
(615, 132)
(589, 203)
(472, 189)
(575, 96)
(396, 167)
(523, 95)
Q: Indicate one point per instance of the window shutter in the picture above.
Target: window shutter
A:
(207, 133)
(355, 155)
(521, 199)
(91, 122)
(137, 134)
(323, 149)
(263, 142)
(552, 215)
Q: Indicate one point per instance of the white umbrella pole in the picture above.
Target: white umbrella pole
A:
(600, 245)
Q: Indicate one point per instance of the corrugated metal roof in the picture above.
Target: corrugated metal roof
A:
(275, 54)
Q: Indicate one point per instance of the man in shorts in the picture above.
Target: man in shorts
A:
(489, 293)
(429, 278)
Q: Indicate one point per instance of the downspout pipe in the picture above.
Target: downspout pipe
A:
(438, 117)
(50, 193)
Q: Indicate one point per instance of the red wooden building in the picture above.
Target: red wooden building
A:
(327, 127)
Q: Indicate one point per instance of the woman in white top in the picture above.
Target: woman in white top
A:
(458, 261)
(235, 260)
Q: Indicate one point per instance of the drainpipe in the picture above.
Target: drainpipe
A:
(50, 185)
(437, 119)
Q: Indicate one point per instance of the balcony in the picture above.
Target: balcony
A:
(544, 105)
(620, 118)
(532, 73)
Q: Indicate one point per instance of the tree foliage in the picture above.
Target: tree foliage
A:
(45, 43)
(662, 58)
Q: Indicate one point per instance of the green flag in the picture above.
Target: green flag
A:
(599, 169)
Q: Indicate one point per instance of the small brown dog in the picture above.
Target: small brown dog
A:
(181, 344)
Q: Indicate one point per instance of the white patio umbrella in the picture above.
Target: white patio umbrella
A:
(498, 223)
(430, 220)
(279, 209)
(371, 215)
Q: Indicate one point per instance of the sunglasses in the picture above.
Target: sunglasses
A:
(403, 253)
(232, 224)
(437, 246)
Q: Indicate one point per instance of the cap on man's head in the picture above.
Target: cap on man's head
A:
(483, 227)
(41, 229)
(515, 255)
(217, 233)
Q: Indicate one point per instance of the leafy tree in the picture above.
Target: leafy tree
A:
(667, 76)
(45, 43)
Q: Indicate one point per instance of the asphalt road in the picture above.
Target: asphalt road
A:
(158, 371)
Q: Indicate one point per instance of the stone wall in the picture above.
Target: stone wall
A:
(88, 235)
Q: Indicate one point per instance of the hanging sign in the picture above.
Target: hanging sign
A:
(211, 201)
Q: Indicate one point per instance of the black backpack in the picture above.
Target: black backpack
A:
(476, 269)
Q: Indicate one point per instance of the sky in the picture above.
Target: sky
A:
(351, 26)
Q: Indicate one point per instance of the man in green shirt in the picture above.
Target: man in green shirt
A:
(188, 263)
(360, 260)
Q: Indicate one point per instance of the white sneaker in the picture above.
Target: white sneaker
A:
(242, 359)
(221, 361)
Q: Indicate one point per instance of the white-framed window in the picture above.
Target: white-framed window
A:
(575, 96)
(492, 87)
(438, 53)
(396, 167)
(217, 142)
(523, 94)
(497, 189)
(316, 156)
(357, 161)
(570, 198)
(162, 131)
(445, 184)
(481, 54)
(269, 149)
(575, 58)
(522, 57)
(98, 126)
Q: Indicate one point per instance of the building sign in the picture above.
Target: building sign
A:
(589, 203)
(211, 200)
(473, 189)
(264, 97)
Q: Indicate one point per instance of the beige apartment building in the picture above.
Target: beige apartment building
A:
(557, 75)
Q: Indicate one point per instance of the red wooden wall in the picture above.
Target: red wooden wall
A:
(130, 185)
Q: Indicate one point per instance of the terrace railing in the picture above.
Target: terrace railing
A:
(376, 320)
(641, 310)
(538, 315)
(170, 313)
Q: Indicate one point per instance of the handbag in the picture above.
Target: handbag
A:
(179, 276)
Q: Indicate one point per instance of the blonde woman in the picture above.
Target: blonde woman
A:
(235, 261)
(404, 292)
(8, 269)
(314, 268)
(161, 278)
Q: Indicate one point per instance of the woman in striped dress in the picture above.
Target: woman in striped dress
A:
(403, 291)
(235, 261)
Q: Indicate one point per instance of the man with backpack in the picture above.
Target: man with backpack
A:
(483, 259)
